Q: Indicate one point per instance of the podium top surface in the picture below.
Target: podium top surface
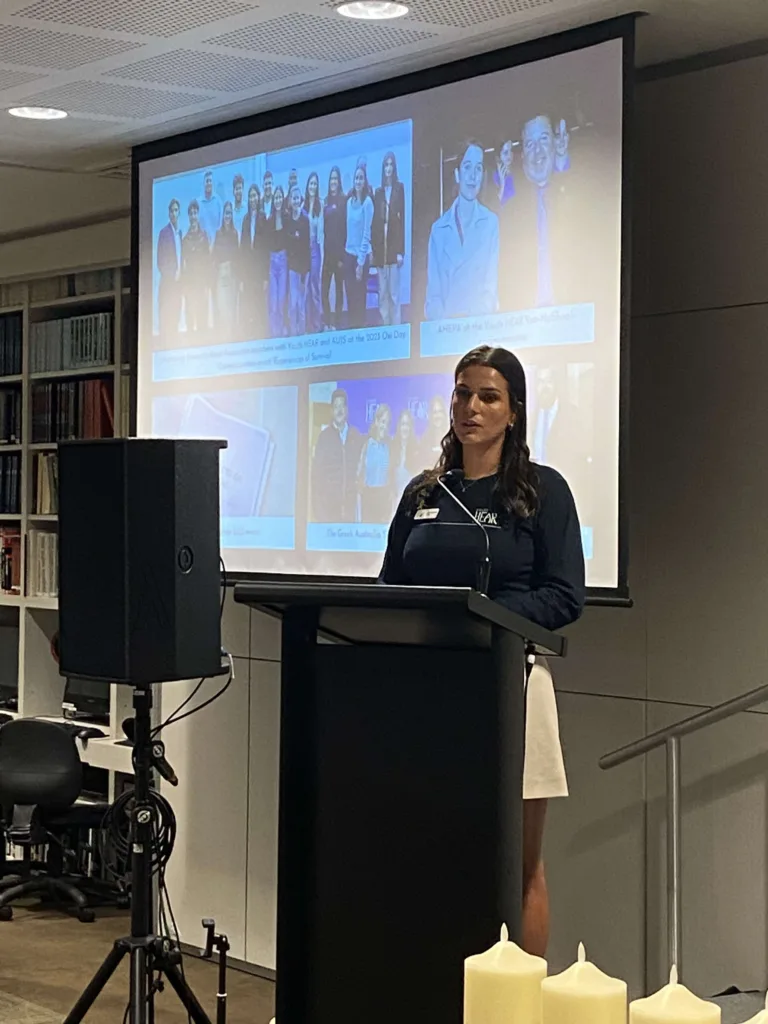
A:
(378, 613)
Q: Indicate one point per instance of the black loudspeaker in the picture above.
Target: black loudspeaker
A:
(139, 578)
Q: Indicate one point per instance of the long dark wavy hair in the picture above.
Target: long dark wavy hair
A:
(517, 480)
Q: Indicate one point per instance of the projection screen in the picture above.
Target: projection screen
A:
(306, 290)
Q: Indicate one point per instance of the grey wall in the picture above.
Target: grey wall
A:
(699, 562)
(699, 572)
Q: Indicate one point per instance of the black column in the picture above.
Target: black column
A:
(298, 805)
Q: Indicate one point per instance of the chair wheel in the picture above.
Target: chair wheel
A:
(86, 915)
(6, 913)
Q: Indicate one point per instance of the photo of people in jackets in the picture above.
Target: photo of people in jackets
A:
(292, 243)
(517, 211)
(368, 439)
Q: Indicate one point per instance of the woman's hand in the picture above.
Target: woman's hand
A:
(359, 272)
(399, 261)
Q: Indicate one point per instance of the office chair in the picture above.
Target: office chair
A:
(41, 777)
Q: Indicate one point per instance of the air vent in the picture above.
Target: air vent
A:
(120, 171)
(324, 39)
(212, 71)
(142, 17)
(111, 99)
(55, 50)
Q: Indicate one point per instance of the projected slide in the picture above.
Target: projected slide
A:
(258, 467)
(307, 291)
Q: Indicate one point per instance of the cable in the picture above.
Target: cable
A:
(118, 822)
(206, 703)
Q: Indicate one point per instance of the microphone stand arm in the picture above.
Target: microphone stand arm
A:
(484, 568)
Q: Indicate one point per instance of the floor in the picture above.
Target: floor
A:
(47, 958)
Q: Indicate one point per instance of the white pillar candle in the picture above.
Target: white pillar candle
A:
(762, 1017)
(673, 1004)
(503, 985)
(582, 994)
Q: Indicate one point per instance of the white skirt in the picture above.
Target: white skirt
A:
(544, 772)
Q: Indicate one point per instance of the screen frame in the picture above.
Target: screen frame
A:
(504, 58)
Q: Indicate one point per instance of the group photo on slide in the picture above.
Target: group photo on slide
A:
(286, 244)
(368, 438)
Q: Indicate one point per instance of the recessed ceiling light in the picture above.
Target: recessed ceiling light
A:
(372, 10)
(38, 113)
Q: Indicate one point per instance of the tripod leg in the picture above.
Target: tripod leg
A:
(139, 986)
(97, 983)
(186, 995)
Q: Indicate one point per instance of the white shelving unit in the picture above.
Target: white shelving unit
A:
(35, 618)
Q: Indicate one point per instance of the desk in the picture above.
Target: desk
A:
(113, 755)
(110, 754)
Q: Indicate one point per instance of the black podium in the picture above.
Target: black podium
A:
(400, 828)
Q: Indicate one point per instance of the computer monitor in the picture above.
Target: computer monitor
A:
(85, 698)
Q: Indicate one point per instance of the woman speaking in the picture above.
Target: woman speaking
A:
(537, 563)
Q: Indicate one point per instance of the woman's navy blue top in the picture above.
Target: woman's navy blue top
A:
(537, 563)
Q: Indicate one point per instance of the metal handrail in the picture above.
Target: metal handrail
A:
(688, 725)
(670, 737)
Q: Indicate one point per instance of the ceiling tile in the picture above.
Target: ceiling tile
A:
(142, 17)
(213, 71)
(57, 50)
(111, 99)
(460, 14)
(10, 77)
(312, 37)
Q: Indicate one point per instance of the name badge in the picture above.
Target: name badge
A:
(427, 513)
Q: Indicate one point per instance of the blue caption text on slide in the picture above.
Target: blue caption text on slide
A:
(528, 328)
(370, 538)
(337, 348)
(270, 533)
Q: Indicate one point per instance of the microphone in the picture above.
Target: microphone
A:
(158, 753)
(484, 568)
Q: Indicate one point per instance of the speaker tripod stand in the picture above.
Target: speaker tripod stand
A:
(149, 954)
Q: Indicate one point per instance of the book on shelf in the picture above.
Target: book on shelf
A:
(10, 559)
(67, 286)
(10, 415)
(65, 410)
(10, 483)
(125, 405)
(11, 333)
(45, 483)
(73, 343)
(42, 563)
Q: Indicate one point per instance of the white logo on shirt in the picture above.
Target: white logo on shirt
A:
(487, 518)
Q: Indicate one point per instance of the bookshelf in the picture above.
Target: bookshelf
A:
(64, 373)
